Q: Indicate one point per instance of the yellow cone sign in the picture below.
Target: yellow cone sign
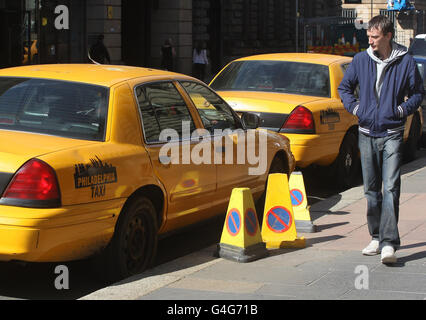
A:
(278, 227)
(241, 239)
(299, 203)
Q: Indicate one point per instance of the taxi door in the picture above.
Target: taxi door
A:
(228, 138)
(167, 124)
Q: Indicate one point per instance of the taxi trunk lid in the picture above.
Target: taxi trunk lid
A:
(16, 148)
(273, 108)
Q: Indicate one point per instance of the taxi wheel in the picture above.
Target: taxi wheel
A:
(134, 245)
(348, 161)
(277, 165)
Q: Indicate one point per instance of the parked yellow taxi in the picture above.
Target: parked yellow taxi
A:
(105, 158)
(296, 94)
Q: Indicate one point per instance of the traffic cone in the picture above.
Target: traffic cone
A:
(241, 240)
(302, 216)
(278, 227)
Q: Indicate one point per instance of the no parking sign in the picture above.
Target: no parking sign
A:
(279, 219)
(251, 222)
(296, 197)
(233, 222)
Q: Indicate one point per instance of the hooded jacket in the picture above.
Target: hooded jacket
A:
(383, 86)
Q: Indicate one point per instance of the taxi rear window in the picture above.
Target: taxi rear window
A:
(61, 108)
(274, 76)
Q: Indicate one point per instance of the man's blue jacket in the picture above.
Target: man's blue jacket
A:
(379, 116)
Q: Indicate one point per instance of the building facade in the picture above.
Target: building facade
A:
(62, 31)
(57, 31)
(406, 23)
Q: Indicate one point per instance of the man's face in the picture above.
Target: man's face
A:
(378, 41)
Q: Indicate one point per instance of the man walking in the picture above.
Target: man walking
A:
(386, 75)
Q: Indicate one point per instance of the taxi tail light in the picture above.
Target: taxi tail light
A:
(33, 185)
(299, 120)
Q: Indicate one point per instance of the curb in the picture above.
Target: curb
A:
(158, 277)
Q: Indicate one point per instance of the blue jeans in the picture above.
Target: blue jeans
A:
(381, 160)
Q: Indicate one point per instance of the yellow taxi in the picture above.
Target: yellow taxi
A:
(296, 94)
(103, 159)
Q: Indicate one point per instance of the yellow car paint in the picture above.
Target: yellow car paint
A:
(322, 147)
(98, 178)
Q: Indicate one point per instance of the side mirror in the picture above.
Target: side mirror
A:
(250, 120)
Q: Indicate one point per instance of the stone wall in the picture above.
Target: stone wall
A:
(254, 26)
(173, 19)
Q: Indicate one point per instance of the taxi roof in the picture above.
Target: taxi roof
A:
(316, 58)
(104, 75)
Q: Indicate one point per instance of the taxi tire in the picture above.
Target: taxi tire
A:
(277, 165)
(348, 163)
(134, 244)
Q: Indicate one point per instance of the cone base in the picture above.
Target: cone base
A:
(297, 244)
(305, 226)
(238, 254)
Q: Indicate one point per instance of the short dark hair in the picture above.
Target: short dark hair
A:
(381, 23)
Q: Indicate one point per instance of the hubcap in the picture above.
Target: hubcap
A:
(348, 161)
(135, 243)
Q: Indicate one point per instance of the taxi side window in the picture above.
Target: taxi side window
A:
(162, 107)
(345, 67)
(214, 112)
(422, 69)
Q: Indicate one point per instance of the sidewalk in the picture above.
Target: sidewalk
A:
(328, 268)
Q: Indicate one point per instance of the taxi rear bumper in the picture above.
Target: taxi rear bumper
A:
(320, 149)
(52, 235)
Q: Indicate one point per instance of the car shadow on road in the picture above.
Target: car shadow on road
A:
(36, 281)
(189, 248)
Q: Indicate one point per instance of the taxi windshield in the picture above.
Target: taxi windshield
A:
(61, 108)
(274, 76)
(418, 47)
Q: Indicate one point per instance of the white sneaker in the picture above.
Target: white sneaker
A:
(388, 255)
(372, 249)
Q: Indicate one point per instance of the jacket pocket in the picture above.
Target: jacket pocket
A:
(365, 118)
(391, 118)
(394, 114)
